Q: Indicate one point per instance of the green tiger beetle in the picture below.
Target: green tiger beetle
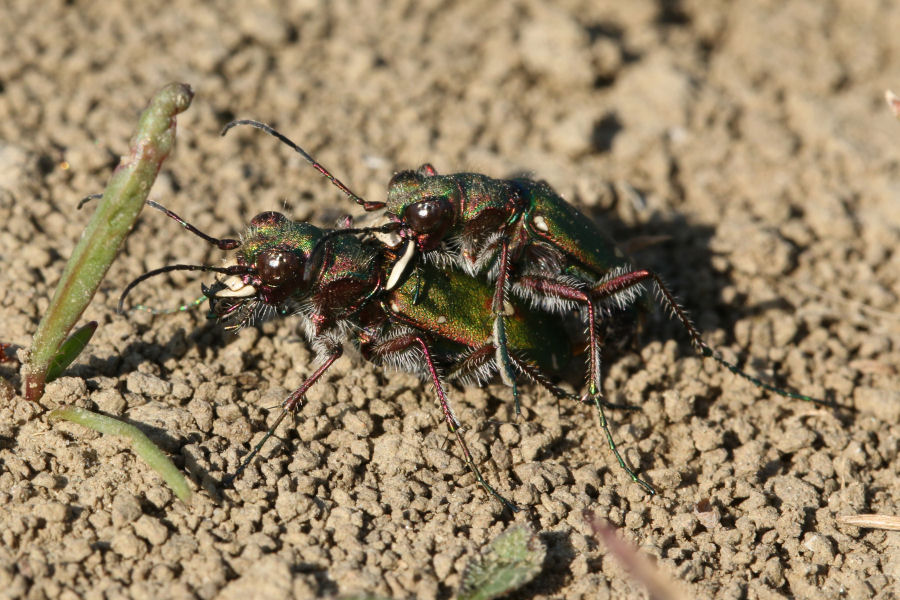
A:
(336, 282)
(524, 238)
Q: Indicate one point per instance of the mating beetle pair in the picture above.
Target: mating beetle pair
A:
(438, 294)
(335, 282)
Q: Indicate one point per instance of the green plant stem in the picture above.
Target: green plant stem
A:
(146, 449)
(115, 215)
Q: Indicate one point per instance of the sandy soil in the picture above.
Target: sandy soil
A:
(753, 136)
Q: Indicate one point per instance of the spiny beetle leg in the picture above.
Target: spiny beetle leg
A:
(536, 375)
(482, 356)
(406, 341)
(474, 363)
(567, 292)
(625, 281)
(612, 446)
(471, 463)
(453, 425)
(557, 289)
(290, 405)
(504, 363)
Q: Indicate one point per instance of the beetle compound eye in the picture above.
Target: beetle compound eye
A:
(277, 268)
(268, 218)
(428, 216)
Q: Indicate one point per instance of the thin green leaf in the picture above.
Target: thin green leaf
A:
(150, 452)
(70, 350)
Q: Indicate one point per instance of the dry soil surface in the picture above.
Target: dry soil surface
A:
(749, 140)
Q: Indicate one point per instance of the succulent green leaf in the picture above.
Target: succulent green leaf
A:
(115, 215)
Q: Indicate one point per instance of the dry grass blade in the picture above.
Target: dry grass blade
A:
(889, 522)
(659, 586)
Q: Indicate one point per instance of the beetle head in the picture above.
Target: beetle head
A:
(426, 204)
(279, 262)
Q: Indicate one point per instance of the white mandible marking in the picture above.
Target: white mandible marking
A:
(400, 266)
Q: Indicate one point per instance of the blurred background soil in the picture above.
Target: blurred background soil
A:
(751, 138)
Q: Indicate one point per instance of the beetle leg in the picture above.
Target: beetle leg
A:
(534, 373)
(626, 281)
(504, 362)
(292, 403)
(478, 358)
(475, 361)
(567, 292)
(612, 446)
(564, 291)
(404, 342)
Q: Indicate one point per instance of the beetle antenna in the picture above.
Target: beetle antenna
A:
(386, 228)
(221, 244)
(232, 270)
(172, 310)
(366, 204)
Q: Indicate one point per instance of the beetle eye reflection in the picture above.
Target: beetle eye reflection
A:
(277, 268)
